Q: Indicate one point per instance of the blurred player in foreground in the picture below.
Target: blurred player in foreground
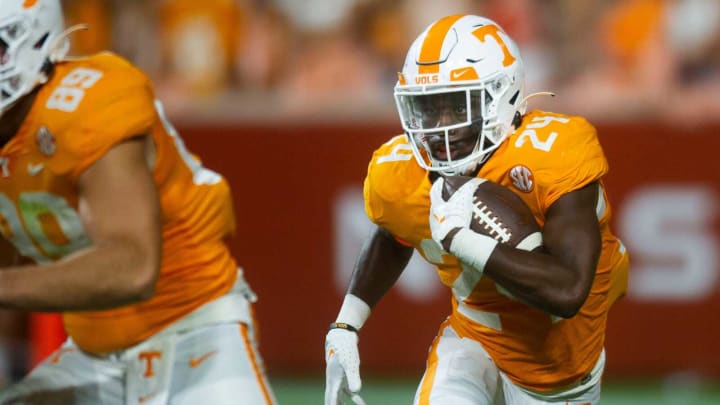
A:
(527, 326)
(125, 228)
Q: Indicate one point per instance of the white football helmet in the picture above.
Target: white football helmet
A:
(459, 90)
(31, 32)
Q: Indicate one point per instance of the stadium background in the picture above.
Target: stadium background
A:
(288, 99)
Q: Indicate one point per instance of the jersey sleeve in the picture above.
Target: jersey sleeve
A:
(118, 107)
(373, 203)
(390, 178)
(395, 191)
(577, 161)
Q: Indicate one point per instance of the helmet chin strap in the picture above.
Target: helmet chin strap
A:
(464, 170)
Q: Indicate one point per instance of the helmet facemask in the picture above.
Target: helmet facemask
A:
(453, 129)
(459, 91)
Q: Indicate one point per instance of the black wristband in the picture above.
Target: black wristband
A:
(342, 325)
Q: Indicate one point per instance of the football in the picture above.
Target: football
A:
(497, 212)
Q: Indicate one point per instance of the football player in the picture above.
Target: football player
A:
(527, 325)
(125, 228)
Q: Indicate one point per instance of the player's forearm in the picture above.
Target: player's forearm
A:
(95, 278)
(379, 265)
(539, 280)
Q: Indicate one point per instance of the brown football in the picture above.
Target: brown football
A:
(497, 211)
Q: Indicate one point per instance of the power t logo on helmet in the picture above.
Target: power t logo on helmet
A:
(25, 50)
(458, 93)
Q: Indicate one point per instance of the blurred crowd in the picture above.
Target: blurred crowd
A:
(327, 60)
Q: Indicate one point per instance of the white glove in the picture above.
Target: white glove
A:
(456, 212)
(342, 374)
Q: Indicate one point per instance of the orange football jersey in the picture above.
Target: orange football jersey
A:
(548, 156)
(88, 106)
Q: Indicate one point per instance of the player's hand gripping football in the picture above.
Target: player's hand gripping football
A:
(342, 373)
(454, 213)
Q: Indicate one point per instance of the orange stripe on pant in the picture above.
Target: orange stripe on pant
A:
(427, 382)
(255, 366)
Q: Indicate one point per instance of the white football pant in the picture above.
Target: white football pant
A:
(209, 357)
(460, 372)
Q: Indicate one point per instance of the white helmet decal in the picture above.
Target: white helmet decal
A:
(29, 35)
(469, 62)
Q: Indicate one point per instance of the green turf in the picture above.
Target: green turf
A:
(393, 391)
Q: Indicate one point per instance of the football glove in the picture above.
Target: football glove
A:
(456, 212)
(342, 374)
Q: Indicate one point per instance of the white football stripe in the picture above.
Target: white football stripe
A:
(530, 242)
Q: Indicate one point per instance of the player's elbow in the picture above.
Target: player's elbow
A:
(567, 311)
(141, 279)
(143, 289)
(145, 280)
(132, 287)
(143, 269)
(570, 302)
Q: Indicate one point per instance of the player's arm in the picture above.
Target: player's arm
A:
(119, 208)
(559, 279)
(12, 322)
(378, 267)
(380, 263)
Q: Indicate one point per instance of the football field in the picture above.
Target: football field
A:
(392, 391)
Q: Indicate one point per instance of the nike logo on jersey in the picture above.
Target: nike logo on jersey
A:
(439, 219)
(196, 361)
(35, 168)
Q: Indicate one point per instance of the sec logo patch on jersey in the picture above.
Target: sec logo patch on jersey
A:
(45, 141)
(522, 178)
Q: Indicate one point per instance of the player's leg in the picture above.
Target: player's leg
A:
(586, 392)
(69, 377)
(219, 365)
(459, 372)
(516, 396)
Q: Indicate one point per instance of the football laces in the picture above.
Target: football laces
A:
(491, 222)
